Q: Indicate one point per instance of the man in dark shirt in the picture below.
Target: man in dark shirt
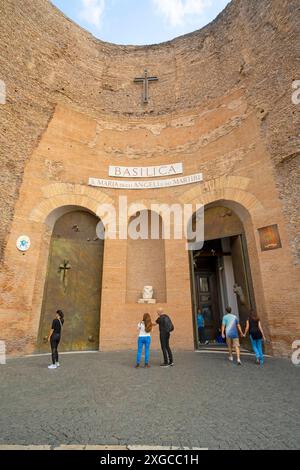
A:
(165, 328)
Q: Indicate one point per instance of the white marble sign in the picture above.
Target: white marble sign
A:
(146, 172)
(148, 184)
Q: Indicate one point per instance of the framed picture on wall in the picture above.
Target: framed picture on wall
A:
(270, 238)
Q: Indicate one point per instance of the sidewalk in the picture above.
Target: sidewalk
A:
(100, 399)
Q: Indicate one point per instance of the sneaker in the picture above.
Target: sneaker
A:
(147, 366)
(230, 358)
(171, 364)
(57, 364)
(239, 363)
(52, 366)
(164, 365)
(137, 366)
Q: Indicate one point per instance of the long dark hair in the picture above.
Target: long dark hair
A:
(148, 323)
(254, 316)
(61, 315)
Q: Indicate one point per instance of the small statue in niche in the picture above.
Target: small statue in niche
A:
(148, 293)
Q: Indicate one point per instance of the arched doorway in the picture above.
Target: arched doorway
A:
(73, 282)
(220, 273)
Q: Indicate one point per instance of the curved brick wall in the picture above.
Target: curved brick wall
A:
(47, 60)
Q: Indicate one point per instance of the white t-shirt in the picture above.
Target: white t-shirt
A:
(141, 328)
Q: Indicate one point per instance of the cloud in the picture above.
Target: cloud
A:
(178, 12)
(91, 11)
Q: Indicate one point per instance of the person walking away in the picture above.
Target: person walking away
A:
(201, 328)
(144, 340)
(257, 336)
(55, 337)
(165, 329)
(231, 326)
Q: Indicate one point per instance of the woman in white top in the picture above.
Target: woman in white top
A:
(144, 328)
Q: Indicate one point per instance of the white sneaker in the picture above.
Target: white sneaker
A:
(230, 358)
(52, 366)
(57, 364)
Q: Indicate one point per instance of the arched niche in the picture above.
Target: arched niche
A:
(146, 264)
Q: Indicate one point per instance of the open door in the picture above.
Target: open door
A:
(242, 277)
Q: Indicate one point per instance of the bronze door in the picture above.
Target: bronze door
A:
(73, 283)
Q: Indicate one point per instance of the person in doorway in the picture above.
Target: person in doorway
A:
(145, 328)
(201, 328)
(55, 337)
(165, 329)
(231, 326)
(257, 336)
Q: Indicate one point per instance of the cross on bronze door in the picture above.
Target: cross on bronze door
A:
(63, 270)
(145, 80)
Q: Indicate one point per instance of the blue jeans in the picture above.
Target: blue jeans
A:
(143, 341)
(257, 345)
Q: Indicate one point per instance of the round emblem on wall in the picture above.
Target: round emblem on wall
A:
(23, 243)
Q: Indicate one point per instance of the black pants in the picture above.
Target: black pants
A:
(165, 346)
(54, 341)
(201, 334)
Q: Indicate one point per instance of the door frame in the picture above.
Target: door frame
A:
(194, 288)
(39, 341)
(45, 289)
(195, 294)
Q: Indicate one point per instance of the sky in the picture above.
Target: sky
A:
(140, 22)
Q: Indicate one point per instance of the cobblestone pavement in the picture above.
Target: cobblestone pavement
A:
(100, 399)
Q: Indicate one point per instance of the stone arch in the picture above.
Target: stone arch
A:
(234, 189)
(59, 199)
(246, 207)
(63, 195)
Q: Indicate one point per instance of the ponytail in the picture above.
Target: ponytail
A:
(61, 316)
(148, 323)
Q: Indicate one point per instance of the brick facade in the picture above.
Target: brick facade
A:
(222, 106)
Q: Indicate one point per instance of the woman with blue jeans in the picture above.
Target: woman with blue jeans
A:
(257, 336)
(144, 340)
